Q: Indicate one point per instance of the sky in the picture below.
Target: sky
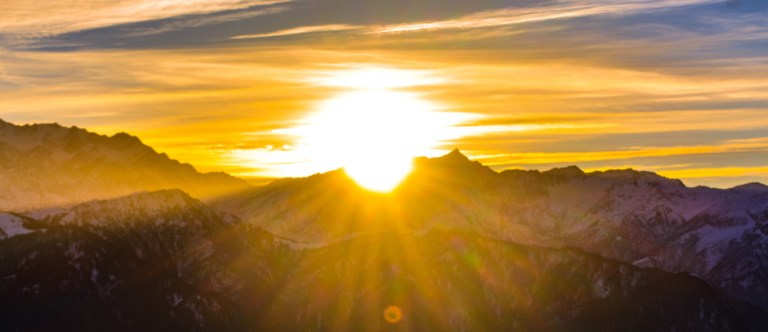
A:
(265, 89)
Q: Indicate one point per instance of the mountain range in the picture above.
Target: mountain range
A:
(457, 246)
(636, 217)
(164, 261)
(47, 165)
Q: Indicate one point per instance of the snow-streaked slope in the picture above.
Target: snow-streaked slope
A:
(47, 165)
(12, 225)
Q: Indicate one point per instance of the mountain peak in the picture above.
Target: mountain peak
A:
(167, 197)
(753, 186)
(565, 171)
(454, 157)
(143, 204)
(123, 136)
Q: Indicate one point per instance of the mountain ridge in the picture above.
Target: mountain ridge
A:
(634, 216)
(47, 165)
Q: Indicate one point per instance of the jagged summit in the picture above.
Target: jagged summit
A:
(454, 156)
(126, 138)
(30, 136)
(454, 167)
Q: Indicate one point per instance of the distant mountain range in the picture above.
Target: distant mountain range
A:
(457, 246)
(47, 165)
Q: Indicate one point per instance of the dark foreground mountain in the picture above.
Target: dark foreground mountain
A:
(163, 261)
(635, 217)
(47, 165)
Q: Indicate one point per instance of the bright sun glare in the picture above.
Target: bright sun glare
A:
(373, 130)
(374, 126)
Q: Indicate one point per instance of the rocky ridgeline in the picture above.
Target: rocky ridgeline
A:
(47, 165)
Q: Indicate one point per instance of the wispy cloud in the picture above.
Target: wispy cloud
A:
(301, 30)
(191, 22)
(564, 9)
(40, 18)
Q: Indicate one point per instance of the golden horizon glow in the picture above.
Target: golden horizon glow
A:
(234, 111)
(373, 130)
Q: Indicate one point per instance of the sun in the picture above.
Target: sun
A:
(373, 129)
(372, 134)
(379, 175)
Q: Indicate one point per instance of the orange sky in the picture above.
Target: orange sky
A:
(257, 88)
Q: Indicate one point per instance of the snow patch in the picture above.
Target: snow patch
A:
(12, 225)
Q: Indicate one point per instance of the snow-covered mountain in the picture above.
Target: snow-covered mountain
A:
(47, 165)
(636, 217)
(164, 261)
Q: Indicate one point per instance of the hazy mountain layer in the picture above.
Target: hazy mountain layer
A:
(48, 165)
(632, 216)
(164, 261)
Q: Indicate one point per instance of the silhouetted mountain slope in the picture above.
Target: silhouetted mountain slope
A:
(637, 217)
(159, 261)
(449, 281)
(46, 165)
(163, 261)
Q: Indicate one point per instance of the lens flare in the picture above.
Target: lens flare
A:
(393, 314)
